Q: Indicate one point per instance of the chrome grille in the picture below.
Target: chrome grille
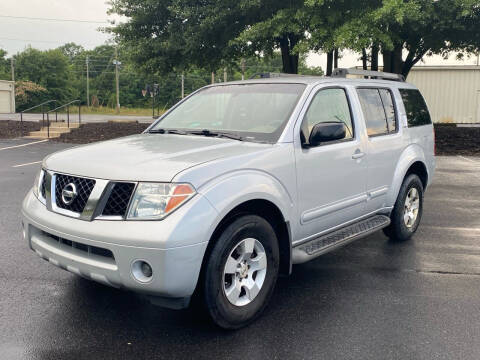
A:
(119, 199)
(84, 189)
(43, 187)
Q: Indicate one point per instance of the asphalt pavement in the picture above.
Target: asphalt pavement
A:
(372, 299)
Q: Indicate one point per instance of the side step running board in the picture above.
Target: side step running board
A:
(337, 238)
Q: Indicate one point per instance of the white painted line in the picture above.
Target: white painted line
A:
(461, 157)
(17, 146)
(452, 228)
(30, 163)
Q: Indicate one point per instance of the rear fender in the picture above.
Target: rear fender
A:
(410, 155)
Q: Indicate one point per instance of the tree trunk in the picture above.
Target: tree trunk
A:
(335, 58)
(364, 59)
(374, 58)
(289, 60)
(329, 63)
(392, 60)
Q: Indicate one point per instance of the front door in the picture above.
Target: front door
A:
(331, 177)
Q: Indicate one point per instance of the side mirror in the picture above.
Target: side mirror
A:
(327, 131)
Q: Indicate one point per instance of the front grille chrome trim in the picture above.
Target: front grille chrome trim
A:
(90, 206)
(95, 203)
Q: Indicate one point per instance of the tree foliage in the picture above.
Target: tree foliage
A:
(165, 35)
(415, 28)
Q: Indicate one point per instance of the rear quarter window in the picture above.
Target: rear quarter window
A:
(415, 108)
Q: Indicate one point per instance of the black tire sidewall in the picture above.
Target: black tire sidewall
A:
(398, 230)
(221, 310)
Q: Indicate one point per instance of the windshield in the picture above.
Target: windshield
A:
(255, 112)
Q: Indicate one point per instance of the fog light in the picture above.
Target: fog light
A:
(142, 271)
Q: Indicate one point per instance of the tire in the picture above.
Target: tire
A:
(401, 229)
(230, 247)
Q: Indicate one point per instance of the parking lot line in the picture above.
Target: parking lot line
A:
(17, 146)
(461, 157)
(26, 164)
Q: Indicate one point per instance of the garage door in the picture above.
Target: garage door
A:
(5, 102)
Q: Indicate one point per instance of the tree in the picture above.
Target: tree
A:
(4, 66)
(28, 94)
(168, 35)
(415, 28)
(284, 29)
(325, 17)
(49, 69)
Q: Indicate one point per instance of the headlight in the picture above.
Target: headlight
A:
(37, 185)
(157, 200)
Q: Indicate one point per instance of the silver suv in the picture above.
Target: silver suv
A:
(233, 185)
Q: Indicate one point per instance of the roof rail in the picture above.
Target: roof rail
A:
(368, 74)
(267, 75)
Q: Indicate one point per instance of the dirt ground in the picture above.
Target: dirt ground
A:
(92, 132)
(452, 140)
(12, 129)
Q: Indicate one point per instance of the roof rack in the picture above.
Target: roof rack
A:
(368, 74)
(267, 75)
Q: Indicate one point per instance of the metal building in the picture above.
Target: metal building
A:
(7, 97)
(452, 92)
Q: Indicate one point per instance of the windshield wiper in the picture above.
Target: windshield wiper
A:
(206, 132)
(167, 131)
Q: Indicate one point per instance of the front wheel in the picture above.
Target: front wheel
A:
(407, 212)
(241, 272)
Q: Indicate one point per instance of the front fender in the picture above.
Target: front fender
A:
(230, 190)
(410, 155)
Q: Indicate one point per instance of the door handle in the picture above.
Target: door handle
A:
(358, 154)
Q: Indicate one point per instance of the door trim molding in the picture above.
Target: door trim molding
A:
(316, 213)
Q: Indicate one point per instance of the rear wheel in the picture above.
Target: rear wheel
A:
(241, 272)
(407, 212)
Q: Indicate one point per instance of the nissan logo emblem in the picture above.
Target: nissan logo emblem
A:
(69, 193)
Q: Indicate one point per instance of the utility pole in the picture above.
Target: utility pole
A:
(12, 67)
(116, 80)
(225, 74)
(213, 77)
(183, 85)
(243, 68)
(88, 85)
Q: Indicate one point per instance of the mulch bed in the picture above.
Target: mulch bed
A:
(92, 132)
(452, 140)
(10, 129)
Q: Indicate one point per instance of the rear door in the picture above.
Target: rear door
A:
(385, 142)
(331, 177)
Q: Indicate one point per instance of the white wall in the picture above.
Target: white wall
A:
(452, 92)
(7, 97)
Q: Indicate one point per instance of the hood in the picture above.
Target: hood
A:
(145, 157)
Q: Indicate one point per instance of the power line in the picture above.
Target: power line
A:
(42, 41)
(54, 19)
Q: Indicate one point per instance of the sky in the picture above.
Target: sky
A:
(17, 33)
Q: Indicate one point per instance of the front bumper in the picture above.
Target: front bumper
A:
(104, 251)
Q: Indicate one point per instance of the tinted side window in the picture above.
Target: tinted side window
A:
(328, 105)
(415, 107)
(373, 111)
(387, 101)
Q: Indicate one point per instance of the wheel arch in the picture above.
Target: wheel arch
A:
(412, 161)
